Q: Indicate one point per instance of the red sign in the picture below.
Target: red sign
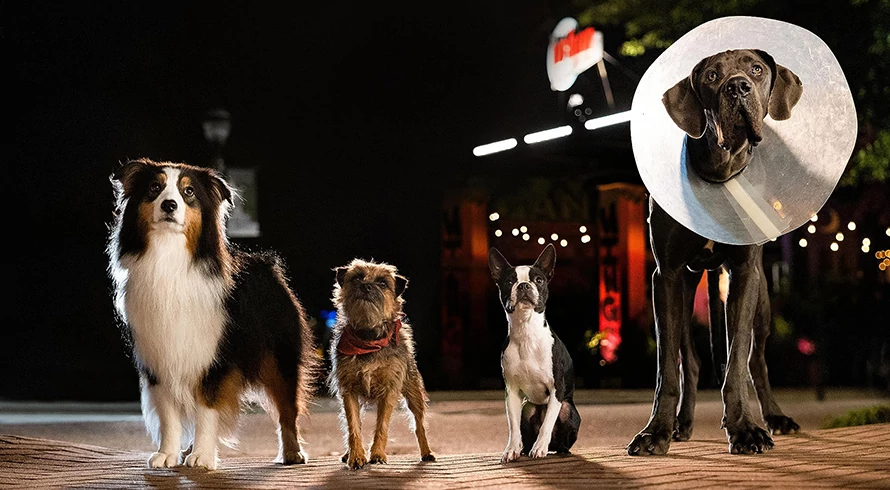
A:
(573, 44)
(571, 53)
(611, 272)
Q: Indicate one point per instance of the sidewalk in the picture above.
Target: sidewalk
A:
(854, 457)
(86, 445)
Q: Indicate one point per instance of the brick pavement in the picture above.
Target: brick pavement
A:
(852, 457)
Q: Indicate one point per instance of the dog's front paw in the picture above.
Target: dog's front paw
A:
(161, 460)
(646, 443)
(682, 431)
(356, 460)
(510, 454)
(377, 458)
(539, 449)
(201, 460)
(292, 457)
(780, 424)
(428, 457)
(749, 439)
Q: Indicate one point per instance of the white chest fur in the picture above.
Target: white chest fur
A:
(527, 361)
(175, 312)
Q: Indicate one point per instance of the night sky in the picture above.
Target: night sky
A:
(359, 119)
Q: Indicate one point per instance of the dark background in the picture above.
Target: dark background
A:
(358, 117)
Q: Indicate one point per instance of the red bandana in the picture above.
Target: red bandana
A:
(351, 345)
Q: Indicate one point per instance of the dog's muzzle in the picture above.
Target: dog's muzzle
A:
(526, 292)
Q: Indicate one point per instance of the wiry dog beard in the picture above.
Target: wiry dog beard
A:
(367, 313)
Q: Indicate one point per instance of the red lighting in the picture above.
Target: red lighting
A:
(806, 346)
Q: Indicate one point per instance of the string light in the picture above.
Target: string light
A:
(585, 238)
(839, 236)
(541, 241)
(498, 233)
(866, 242)
(887, 232)
(865, 249)
(525, 236)
(815, 218)
(554, 237)
(803, 243)
(564, 242)
(515, 232)
(583, 229)
(523, 229)
(834, 246)
(811, 228)
(851, 226)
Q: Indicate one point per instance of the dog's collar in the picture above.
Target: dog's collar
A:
(795, 168)
(352, 345)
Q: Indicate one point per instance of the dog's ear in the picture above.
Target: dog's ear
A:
(497, 264)
(221, 187)
(401, 284)
(785, 94)
(341, 274)
(685, 108)
(547, 260)
(785, 88)
(126, 173)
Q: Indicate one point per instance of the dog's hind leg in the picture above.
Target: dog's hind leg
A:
(282, 388)
(717, 320)
(530, 424)
(745, 437)
(776, 421)
(415, 397)
(673, 293)
(690, 371)
(565, 433)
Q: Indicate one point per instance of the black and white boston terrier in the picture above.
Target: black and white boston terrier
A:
(537, 367)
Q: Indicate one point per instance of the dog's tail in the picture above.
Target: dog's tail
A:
(718, 287)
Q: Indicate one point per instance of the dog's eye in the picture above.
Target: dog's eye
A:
(539, 280)
(756, 70)
(189, 191)
(155, 187)
(712, 75)
(382, 282)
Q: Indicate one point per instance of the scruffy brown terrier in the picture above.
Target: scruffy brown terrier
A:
(372, 353)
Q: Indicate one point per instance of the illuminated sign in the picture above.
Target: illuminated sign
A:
(611, 274)
(571, 53)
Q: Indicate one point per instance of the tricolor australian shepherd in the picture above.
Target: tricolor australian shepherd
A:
(209, 324)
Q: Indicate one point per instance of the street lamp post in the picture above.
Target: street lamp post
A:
(217, 126)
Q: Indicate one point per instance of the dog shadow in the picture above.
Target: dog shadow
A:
(567, 471)
(396, 475)
(242, 476)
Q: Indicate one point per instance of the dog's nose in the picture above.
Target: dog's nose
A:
(523, 286)
(366, 287)
(168, 206)
(738, 87)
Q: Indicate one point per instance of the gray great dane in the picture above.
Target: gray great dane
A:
(721, 107)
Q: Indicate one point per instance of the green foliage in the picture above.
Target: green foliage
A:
(857, 30)
(871, 163)
(658, 23)
(879, 414)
